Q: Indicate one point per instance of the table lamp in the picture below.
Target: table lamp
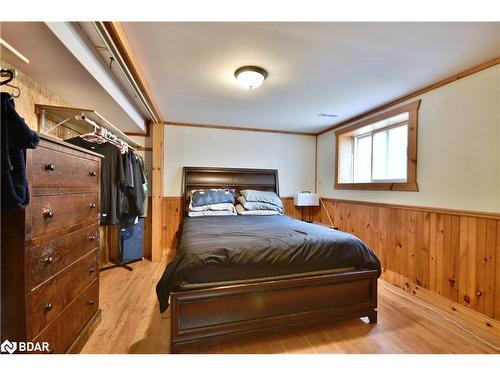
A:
(306, 199)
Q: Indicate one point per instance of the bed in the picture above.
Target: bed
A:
(239, 276)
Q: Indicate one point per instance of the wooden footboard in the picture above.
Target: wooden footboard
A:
(213, 314)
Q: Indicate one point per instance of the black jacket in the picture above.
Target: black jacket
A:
(16, 138)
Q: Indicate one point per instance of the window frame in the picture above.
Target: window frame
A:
(411, 157)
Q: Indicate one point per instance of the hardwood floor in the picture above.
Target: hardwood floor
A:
(132, 323)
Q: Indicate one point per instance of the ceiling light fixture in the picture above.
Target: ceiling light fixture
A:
(250, 76)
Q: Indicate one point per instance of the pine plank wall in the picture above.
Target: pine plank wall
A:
(454, 254)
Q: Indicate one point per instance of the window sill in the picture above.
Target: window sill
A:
(386, 186)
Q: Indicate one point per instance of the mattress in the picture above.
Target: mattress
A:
(231, 248)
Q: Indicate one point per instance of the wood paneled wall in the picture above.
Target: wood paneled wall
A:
(451, 253)
(172, 215)
(454, 254)
(157, 161)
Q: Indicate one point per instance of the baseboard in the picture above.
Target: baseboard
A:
(453, 308)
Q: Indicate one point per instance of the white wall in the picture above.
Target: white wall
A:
(292, 155)
(458, 149)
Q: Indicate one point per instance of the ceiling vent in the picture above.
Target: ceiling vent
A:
(327, 115)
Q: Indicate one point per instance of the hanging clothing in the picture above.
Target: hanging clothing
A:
(145, 185)
(16, 138)
(127, 184)
(139, 180)
(128, 168)
(133, 199)
(112, 178)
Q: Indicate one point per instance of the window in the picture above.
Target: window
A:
(379, 153)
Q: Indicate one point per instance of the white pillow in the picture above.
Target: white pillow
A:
(254, 206)
(211, 213)
(241, 211)
(212, 207)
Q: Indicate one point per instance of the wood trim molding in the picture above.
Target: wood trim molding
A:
(437, 210)
(146, 134)
(414, 291)
(382, 116)
(384, 186)
(361, 116)
(423, 90)
(140, 148)
(157, 192)
(237, 128)
(119, 37)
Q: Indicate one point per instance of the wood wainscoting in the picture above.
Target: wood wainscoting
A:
(454, 254)
(172, 214)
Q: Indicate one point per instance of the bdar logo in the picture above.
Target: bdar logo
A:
(8, 347)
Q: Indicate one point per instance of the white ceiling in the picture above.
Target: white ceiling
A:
(339, 68)
(53, 66)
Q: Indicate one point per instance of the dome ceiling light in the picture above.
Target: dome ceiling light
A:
(250, 76)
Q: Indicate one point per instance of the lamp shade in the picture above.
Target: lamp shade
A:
(306, 199)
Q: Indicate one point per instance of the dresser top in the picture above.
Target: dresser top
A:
(52, 139)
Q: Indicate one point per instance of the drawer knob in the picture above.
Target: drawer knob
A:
(48, 307)
(48, 260)
(92, 270)
(91, 302)
(48, 214)
(51, 166)
(92, 238)
(92, 205)
(93, 174)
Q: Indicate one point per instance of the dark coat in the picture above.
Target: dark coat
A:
(16, 138)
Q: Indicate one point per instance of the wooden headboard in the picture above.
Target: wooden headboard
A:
(230, 178)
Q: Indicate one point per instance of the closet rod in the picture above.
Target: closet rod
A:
(95, 125)
(88, 114)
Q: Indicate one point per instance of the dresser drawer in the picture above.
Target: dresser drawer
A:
(53, 296)
(52, 168)
(54, 255)
(61, 333)
(57, 212)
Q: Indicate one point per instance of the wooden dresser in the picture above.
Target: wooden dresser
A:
(50, 259)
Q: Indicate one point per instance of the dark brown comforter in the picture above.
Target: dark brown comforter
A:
(241, 247)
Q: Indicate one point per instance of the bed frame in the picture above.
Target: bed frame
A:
(209, 315)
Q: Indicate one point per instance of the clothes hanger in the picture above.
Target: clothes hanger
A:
(6, 72)
(10, 74)
(95, 136)
(18, 94)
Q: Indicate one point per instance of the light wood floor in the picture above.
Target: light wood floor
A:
(132, 323)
